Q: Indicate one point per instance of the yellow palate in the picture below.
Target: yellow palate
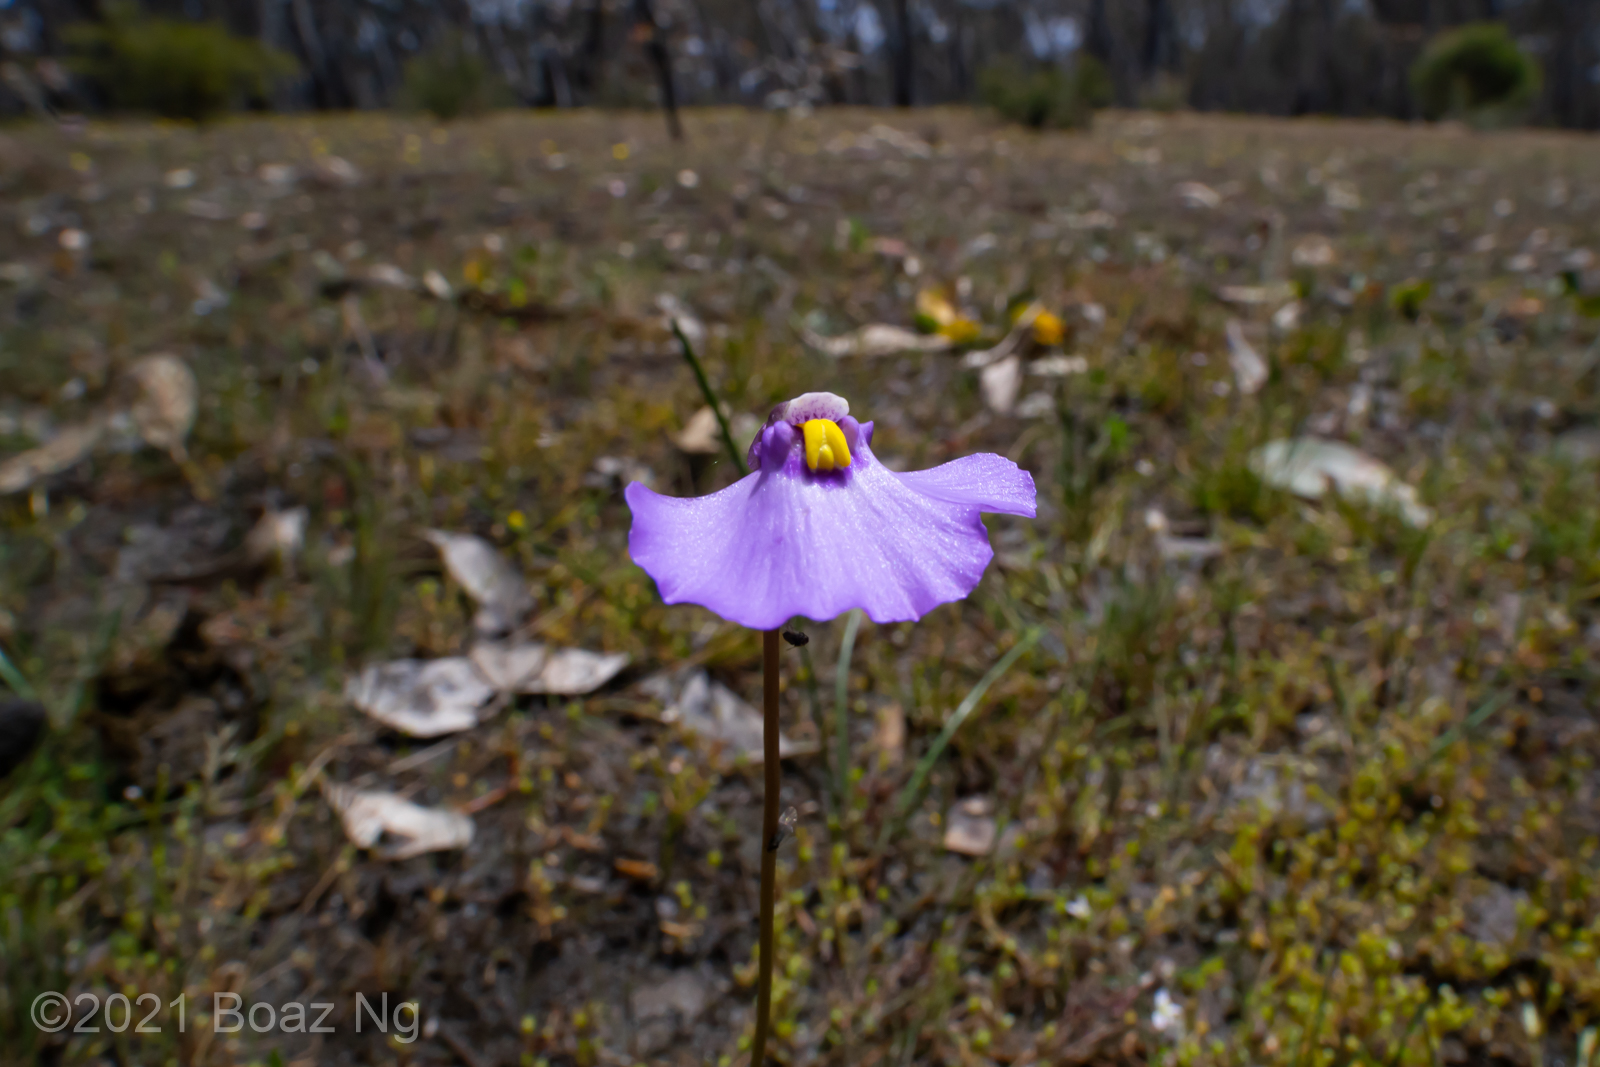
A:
(825, 445)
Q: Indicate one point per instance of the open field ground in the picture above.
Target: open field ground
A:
(1275, 780)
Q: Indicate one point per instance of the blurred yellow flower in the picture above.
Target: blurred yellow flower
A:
(935, 314)
(961, 331)
(934, 310)
(1048, 329)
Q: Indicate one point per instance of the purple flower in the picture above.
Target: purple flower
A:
(822, 526)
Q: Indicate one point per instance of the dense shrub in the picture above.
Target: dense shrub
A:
(450, 79)
(1475, 71)
(188, 70)
(1047, 97)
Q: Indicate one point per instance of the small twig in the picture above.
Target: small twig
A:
(426, 755)
(313, 769)
(711, 398)
(464, 1051)
(322, 885)
(488, 800)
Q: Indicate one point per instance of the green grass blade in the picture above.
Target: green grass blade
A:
(1322, 1005)
(711, 398)
(14, 679)
(841, 710)
(919, 778)
(1471, 723)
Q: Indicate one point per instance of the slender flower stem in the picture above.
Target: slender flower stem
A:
(769, 839)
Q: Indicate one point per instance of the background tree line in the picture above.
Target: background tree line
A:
(1343, 57)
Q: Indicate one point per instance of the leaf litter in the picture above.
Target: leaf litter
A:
(162, 411)
(531, 667)
(422, 698)
(368, 815)
(711, 711)
(1310, 467)
(500, 592)
(1313, 658)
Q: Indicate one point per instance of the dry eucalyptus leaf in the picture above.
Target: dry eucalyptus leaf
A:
(277, 174)
(437, 286)
(889, 737)
(1314, 250)
(1309, 466)
(877, 339)
(1287, 317)
(1059, 366)
(1197, 194)
(332, 171)
(66, 449)
(1249, 369)
(1187, 549)
(970, 827)
(1255, 295)
(530, 667)
(500, 593)
(389, 276)
(1000, 382)
(1342, 196)
(421, 698)
(367, 816)
(713, 711)
(1036, 405)
(276, 536)
(168, 399)
(701, 436)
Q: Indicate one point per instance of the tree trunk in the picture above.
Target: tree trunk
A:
(1098, 41)
(587, 74)
(902, 54)
(305, 24)
(1159, 38)
(656, 47)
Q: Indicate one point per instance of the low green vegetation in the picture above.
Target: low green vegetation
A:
(1477, 71)
(171, 67)
(1050, 97)
(1246, 775)
(450, 79)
